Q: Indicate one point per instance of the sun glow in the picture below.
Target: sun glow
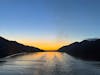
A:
(44, 44)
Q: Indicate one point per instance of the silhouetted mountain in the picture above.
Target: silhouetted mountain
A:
(12, 47)
(87, 49)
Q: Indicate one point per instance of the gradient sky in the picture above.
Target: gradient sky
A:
(49, 24)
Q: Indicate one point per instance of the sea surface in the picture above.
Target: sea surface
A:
(47, 63)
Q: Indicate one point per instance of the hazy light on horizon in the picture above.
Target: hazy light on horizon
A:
(45, 44)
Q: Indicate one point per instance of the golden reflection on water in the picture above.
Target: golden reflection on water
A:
(46, 63)
(40, 57)
(39, 63)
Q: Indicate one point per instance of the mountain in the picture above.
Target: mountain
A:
(12, 47)
(86, 49)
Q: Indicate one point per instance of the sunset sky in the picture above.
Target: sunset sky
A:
(49, 24)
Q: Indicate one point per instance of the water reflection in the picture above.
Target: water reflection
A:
(47, 63)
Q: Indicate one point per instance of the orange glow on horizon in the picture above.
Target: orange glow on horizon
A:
(45, 45)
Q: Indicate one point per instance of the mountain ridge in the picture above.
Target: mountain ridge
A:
(86, 49)
(9, 47)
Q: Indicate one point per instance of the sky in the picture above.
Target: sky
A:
(49, 24)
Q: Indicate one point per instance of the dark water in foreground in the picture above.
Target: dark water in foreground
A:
(48, 63)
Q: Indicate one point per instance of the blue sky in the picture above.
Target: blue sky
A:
(52, 20)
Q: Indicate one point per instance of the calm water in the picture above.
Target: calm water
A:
(48, 63)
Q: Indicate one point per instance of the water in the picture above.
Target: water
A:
(48, 63)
